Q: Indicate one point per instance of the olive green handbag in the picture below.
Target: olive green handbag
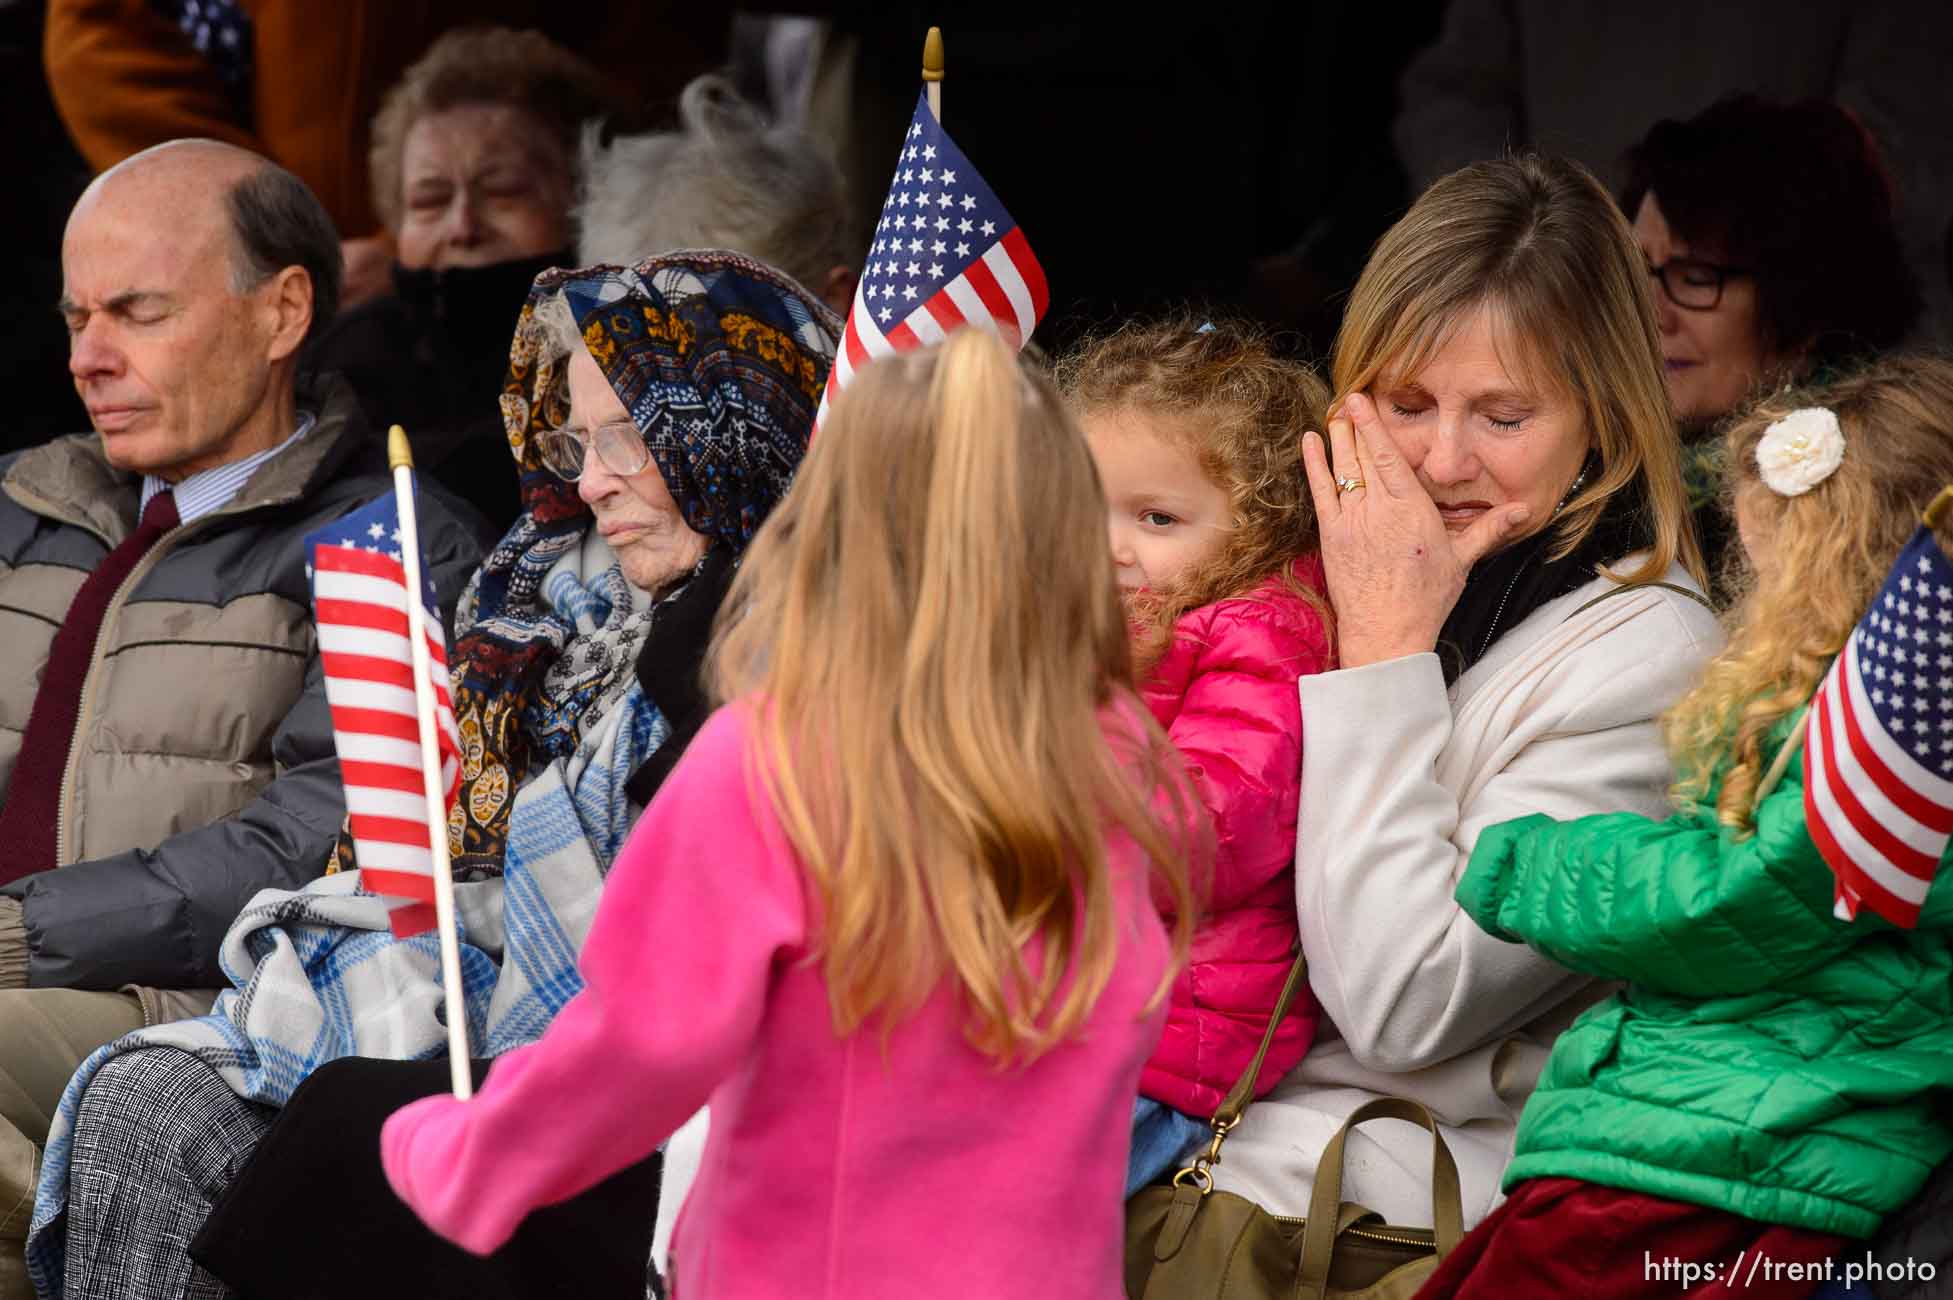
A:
(1189, 1242)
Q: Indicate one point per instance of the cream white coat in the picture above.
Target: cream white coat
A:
(1399, 776)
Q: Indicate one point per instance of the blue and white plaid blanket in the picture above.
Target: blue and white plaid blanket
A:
(318, 974)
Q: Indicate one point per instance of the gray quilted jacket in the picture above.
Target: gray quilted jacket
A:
(203, 768)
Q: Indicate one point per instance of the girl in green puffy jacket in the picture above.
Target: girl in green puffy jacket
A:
(1770, 1081)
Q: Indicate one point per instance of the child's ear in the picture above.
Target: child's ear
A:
(837, 290)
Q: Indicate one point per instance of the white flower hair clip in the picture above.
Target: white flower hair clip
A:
(1800, 451)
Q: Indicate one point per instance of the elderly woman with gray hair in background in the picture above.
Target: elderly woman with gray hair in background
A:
(474, 171)
(724, 179)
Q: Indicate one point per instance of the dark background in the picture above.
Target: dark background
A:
(1244, 155)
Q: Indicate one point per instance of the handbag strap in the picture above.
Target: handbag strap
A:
(1243, 1090)
(1200, 1172)
(1324, 1223)
(1624, 588)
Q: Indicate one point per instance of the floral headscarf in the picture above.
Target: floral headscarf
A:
(720, 361)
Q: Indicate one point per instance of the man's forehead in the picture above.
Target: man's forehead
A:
(174, 203)
(173, 196)
(192, 167)
(117, 245)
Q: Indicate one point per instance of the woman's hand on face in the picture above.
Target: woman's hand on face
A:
(1394, 570)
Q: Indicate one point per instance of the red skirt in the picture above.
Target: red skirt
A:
(1563, 1237)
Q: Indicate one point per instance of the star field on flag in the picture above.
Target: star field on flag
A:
(945, 254)
(1878, 794)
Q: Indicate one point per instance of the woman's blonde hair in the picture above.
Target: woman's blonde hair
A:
(1219, 387)
(1539, 243)
(931, 622)
(1830, 550)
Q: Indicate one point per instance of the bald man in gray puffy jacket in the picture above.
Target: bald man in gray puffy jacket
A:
(165, 746)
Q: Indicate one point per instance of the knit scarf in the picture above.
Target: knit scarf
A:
(548, 656)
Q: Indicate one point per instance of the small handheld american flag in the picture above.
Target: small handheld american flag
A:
(945, 254)
(1878, 798)
(359, 597)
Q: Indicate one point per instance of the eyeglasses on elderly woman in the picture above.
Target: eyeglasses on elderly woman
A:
(619, 446)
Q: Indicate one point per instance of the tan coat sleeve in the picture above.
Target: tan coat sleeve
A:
(123, 79)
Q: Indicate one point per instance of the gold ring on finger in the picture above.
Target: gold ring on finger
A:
(1349, 484)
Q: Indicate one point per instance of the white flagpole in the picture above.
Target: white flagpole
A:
(401, 457)
(932, 70)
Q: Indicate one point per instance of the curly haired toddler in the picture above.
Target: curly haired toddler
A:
(1196, 430)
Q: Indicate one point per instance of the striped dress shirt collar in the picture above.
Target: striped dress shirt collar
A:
(212, 489)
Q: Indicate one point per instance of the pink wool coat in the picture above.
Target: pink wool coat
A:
(880, 1166)
(1225, 693)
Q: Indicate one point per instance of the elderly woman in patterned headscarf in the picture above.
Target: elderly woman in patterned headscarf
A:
(657, 415)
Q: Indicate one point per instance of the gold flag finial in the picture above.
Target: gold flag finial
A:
(1937, 510)
(932, 55)
(398, 452)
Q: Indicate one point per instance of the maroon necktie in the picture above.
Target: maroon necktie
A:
(33, 797)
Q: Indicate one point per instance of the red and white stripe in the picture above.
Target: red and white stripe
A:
(1004, 291)
(360, 601)
(1879, 818)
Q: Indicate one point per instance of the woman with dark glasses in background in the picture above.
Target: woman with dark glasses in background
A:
(1769, 231)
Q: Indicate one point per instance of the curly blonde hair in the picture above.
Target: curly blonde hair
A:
(1243, 411)
(1830, 550)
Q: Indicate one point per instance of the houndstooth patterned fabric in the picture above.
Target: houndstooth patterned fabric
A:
(318, 974)
(597, 664)
(142, 1247)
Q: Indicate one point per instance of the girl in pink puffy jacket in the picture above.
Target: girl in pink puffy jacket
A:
(1196, 430)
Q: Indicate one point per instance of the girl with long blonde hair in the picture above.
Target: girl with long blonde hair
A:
(1769, 1082)
(1196, 428)
(893, 913)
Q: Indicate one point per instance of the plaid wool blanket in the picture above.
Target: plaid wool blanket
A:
(317, 973)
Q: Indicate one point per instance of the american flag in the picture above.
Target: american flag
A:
(359, 598)
(945, 254)
(1878, 798)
